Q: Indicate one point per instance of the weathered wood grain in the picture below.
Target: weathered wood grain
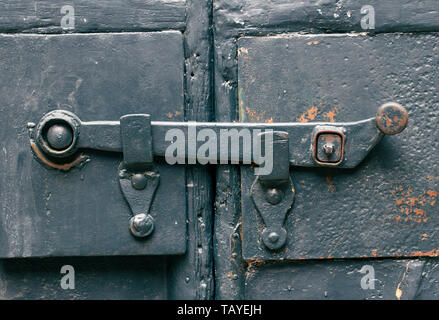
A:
(92, 16)
(192, 275)
(253, 17)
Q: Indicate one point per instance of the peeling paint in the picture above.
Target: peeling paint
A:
(398, 292)
(171, 115)
(308, 115)
(330, 115)
(431, 253)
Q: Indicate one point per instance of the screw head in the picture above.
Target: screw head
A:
(328, 148)
(141, 225)
(59, 136)
(273, 237)
(274, 196)
(138, 181)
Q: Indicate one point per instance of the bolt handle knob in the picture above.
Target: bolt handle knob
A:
(391, 118)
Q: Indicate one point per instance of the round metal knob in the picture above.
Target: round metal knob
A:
(59, 136)
(141, 225)
(139, 181)
(274, 196)
(56, 135)
(391, 118)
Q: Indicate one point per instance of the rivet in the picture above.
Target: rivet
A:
(141, 225)
(273, 237)
(138, 181)
(274, 196)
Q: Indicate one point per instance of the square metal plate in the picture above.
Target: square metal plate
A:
(46, 212)
(386, 207)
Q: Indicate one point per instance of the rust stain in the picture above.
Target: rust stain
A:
(309, 114)
(388, 121)
(63, 167)
(269, 120)
(252, 264)
(411, 207)
(374, 253)
(331, 186)
(330, 115)
(312, 113)
(242, 50)
(398, 292)
(171, 115)
(253, 115)
(431, 253)
(432, 193)
(302, 118)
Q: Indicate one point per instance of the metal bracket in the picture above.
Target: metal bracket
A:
(273, 194)
(138, 180)
(139, 190)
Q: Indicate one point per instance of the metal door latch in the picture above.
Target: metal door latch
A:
(60, 134)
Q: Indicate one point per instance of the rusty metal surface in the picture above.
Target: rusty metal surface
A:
(329, 147)
(391, 118)
(387, 207)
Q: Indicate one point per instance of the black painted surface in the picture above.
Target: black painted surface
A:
(45, 212)
(105, 278)
(385, 207)
(329, 280)
(92, 16)
(237, 19)
(259, 17)
(188, 276)
(210, 66)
